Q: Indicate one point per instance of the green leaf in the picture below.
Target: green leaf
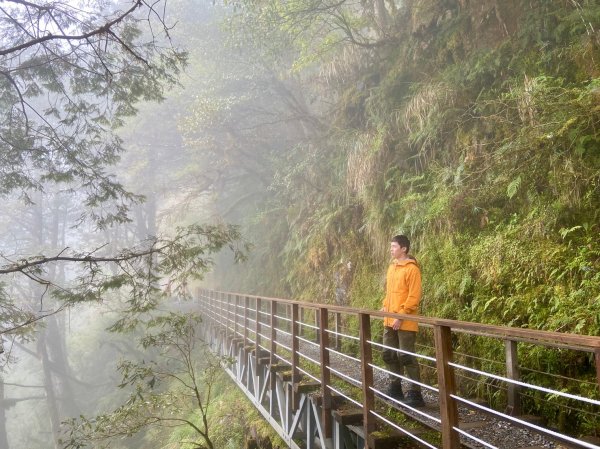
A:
(513, 187)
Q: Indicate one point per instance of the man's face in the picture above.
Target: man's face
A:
(396, 251)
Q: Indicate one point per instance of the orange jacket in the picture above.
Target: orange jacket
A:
(402, 292)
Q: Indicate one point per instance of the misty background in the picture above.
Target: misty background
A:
(319, 129)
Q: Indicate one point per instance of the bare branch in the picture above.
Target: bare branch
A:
(106, 28)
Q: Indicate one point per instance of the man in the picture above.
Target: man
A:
(403, 293)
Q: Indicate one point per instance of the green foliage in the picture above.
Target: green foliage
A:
(175, 389)
(60, 102)
(14, 317)
(234, 420)
(476, 133)
(177, 260)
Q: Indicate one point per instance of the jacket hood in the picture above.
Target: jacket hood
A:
(405, 262)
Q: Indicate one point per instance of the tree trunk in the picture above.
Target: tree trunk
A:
(51, 400)
(382, 16)
(48, 230)
(3, 433)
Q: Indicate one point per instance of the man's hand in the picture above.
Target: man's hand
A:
(396, 324)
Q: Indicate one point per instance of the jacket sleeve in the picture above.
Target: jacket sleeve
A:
(413, 281)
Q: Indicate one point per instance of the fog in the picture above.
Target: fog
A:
(148, 149)
(206, 153)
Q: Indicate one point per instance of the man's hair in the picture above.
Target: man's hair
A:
(403, 241)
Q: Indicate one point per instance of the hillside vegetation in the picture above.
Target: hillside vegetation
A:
(471, 126)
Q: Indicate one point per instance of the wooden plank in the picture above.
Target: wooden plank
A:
(277, 368)
(325, 373)
(447, 387)
(307, 386)
(513, 407)
(348, 416)
(366, 355)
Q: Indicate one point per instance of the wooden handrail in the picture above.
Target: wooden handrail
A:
(545, 338)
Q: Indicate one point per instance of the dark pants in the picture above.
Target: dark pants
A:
(396, 361)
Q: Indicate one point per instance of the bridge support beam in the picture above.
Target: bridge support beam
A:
(298, 415)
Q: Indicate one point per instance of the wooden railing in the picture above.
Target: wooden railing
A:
(297, 336)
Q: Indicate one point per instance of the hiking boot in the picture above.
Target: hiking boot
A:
(414, 399)
(395, 391)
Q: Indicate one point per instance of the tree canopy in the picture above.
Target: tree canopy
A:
(70, 74)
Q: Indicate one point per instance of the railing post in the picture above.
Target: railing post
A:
(223, 311)
(258, 370)
(295, 357)
(228, 315)
(513, 406)
(272, 357)
(209, 308)
(235, 316)
(325, 373)
(338, 326)
(211, 318)
(213, 310)
(246, 306)
(318, 326)
(273, 322)
(257, 329)
(447, 387)
(219, 305)
(366, 356)
(597, 354)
